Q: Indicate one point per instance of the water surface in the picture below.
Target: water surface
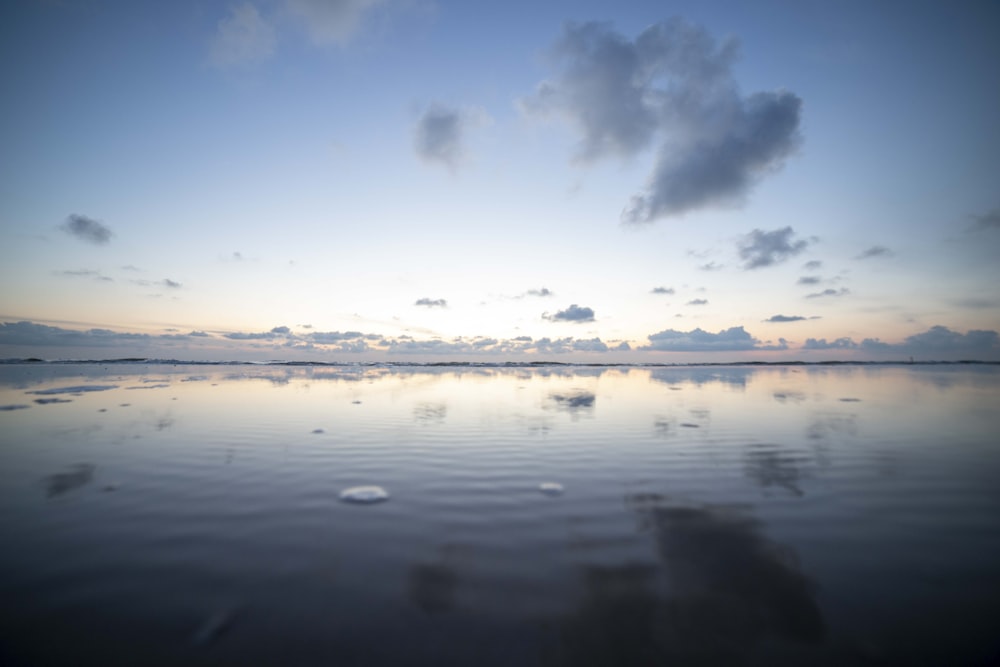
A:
(158, 514)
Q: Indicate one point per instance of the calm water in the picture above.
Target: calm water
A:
(721, 515)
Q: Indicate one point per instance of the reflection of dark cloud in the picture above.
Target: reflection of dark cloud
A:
(728, 590)
(718, 561)
(75, 390)
(430, 413)
(830, 426)
(769, 466)
(574, 401)
(432, 587)
(63, 482)
(789, 396)
(734, 377)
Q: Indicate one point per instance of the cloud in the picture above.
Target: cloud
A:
(735, 339)
(976, 303)
(242, 37)
(30, 333)
(823, 344)
(813, 265)
(333, 337)
(697, 302)
(574, 313)
(785, 318)
(167, 282)
(941, 338)
(545, 291)
(711, 266)
(673, 87)
(760, 248)
(937, 343)
(87, 229)
(438, 136)
(431, 303)
(662, 290)
(843, 291)
(875, 251)
(986, 221)
(84, 273)
(331, 21)
(809, 280)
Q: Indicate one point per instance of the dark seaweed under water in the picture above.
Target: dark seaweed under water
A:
(558, 515)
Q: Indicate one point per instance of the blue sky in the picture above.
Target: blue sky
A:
(404, 179)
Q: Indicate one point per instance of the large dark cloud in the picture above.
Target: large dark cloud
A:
(760, 248)
(673, 87)
(574, 313)
(87, 229)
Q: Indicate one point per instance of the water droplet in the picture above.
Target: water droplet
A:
(551, 488)
(364, 495)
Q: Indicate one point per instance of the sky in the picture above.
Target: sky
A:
(420, 180)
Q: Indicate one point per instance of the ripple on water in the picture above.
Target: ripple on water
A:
(364, 495)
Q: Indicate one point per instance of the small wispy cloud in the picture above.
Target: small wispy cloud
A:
(985, 221)
(875, 251)
(785, 318)
(84, 273)
(431, 303)
(440, 133)
(813, 265)
(809, 280)
(242, 37)
(331, 21)
(543, 292)
(697, 302)
(574, 313)
(662, 290)
(87, 229)
(759, 248)
(829, 292)
(167, 282)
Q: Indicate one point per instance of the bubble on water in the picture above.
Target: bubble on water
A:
(364, 495)
(551, 488)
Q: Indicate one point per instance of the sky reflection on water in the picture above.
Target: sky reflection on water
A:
(720, 515)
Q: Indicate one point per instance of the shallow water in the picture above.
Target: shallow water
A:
(160, 514)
